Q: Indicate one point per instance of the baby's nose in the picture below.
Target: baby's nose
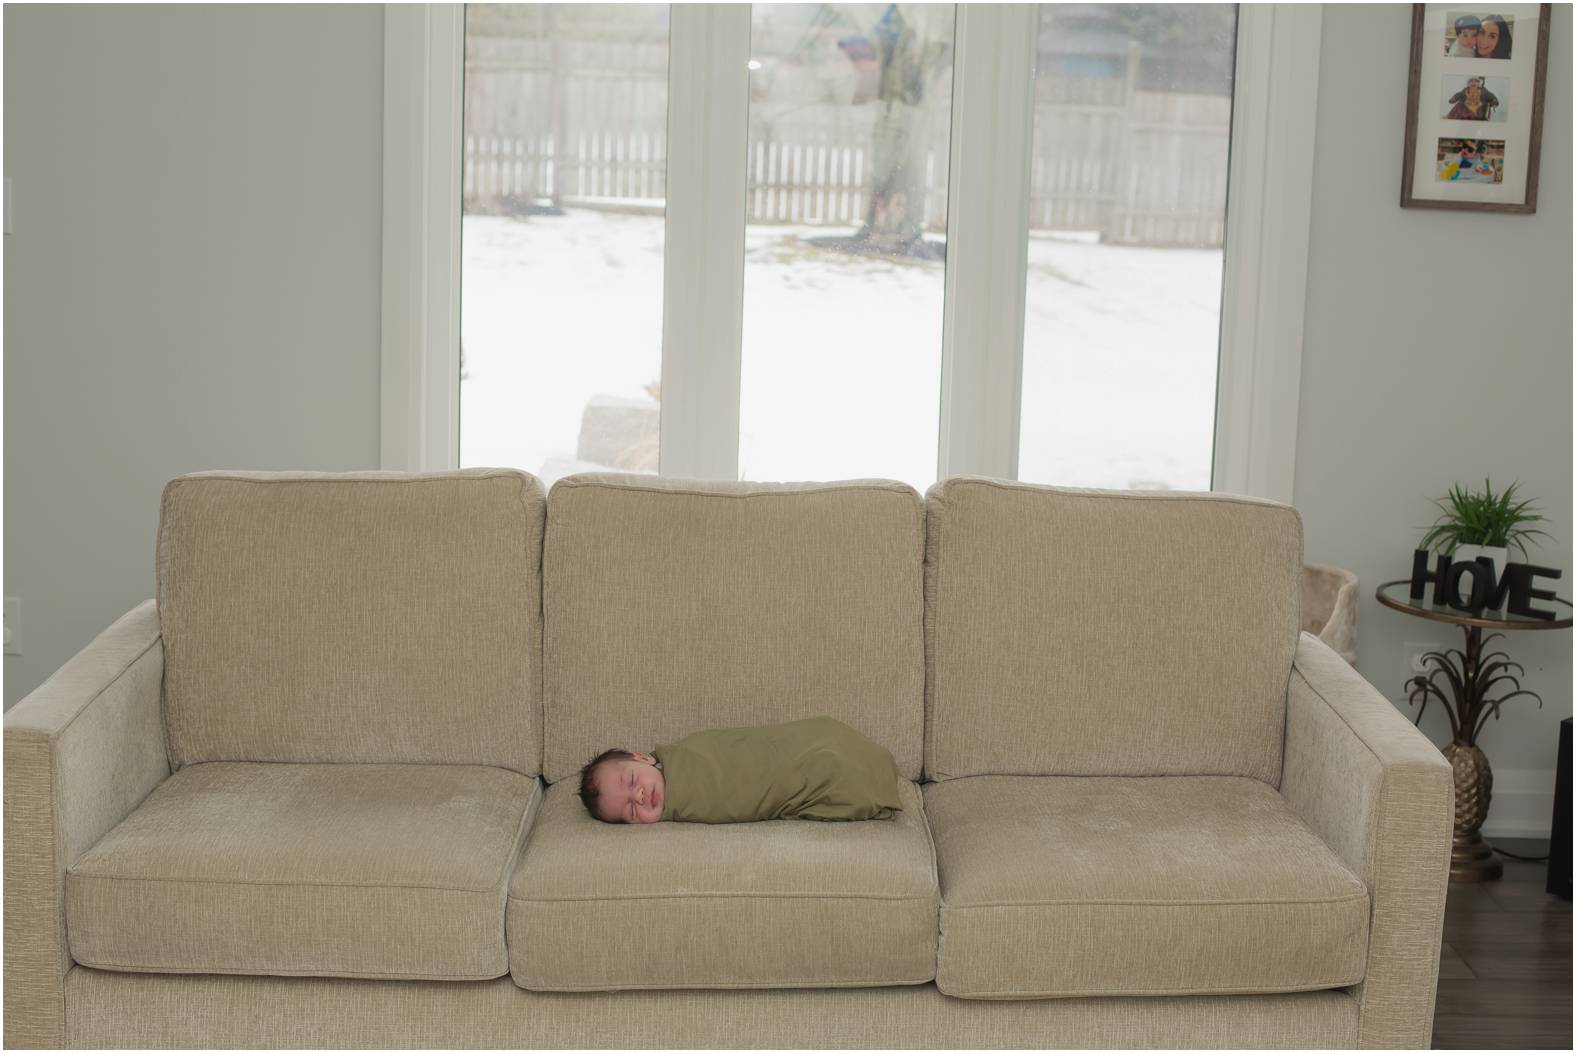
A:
(640, 795)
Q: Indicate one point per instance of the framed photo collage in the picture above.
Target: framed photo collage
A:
(1474, 121)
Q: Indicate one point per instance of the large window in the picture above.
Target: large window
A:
(1127, 223)
(845, 240)
(816, 230)
(561, 297)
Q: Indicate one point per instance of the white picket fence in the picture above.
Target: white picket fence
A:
(1150, 170)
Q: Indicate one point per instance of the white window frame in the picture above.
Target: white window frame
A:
(987, 239)
(703, 247)
(423, 142)
(1270, 190)
(1269, 194)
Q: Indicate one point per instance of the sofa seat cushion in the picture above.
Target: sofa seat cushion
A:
(1061, 886)
(783, 903)
(370, 870)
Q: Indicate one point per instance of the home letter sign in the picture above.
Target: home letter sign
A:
(1484, 591)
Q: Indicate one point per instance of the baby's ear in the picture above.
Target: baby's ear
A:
(645, 758)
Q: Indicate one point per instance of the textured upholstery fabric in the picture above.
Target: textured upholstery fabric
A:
(783, 903)
(1379, 793)
(80, 752)
(1065, 886)
(373, 617)
(674, 606)
(112, 1010)
(383, 870)
(1087, 632)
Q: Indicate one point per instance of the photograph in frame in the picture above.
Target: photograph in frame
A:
(1470, 161)
(1475, 98)
(1474, 119)
(1479, 34)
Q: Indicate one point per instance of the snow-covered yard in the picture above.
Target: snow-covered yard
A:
(842, 354)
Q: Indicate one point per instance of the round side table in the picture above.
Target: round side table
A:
(1469, 677)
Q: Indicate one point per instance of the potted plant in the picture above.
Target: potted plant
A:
(1475, 524)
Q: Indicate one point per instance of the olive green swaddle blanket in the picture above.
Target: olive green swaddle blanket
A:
(807, 769)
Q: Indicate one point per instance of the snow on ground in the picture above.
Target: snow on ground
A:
(1120, 352)
(553, 311)
(841, 374)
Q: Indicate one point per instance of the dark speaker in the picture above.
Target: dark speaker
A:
(1560, 837)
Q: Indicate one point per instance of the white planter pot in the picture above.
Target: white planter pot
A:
(1499, 554)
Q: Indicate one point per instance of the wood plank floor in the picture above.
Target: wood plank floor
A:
(1505, 964)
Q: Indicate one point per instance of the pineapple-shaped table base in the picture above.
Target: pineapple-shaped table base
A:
(1471, 857)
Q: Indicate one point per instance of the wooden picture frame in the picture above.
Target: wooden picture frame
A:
(1474, 107)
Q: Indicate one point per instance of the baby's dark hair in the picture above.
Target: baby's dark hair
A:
(588, 791)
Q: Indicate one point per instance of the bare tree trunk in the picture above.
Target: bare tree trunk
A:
(910, 55)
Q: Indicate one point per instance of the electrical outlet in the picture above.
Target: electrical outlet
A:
(1412, 654)
(13, 625)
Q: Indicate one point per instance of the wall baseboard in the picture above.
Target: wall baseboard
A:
(1523, 803)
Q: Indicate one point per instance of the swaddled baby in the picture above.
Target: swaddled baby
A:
(806, 769)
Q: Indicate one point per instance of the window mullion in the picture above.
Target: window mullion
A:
(987, 239)
(703, 278)
(1270, 194)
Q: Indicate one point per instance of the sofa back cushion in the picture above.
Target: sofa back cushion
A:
(672, 606)
(373, 617)
(1088, 632)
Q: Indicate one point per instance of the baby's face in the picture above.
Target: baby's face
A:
(630, 791)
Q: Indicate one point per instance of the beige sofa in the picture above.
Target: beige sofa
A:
(321, 793)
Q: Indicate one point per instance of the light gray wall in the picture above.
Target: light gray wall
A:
(1416, 374)
(193, 281)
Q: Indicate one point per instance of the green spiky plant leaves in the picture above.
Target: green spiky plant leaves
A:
(1472, 518)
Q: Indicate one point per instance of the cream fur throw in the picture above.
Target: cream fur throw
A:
(1329, 607)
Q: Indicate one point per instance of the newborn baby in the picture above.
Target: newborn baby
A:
(807, 769)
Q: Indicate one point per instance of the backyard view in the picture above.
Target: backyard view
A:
(845, 241)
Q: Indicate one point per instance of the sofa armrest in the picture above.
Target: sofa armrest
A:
(81, 752)
(1381, 795)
